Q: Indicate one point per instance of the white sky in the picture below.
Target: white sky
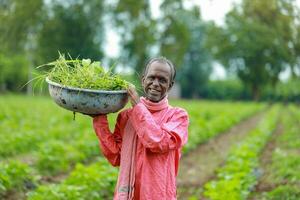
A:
(210, 10)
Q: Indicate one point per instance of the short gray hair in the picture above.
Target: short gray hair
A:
(164, 61)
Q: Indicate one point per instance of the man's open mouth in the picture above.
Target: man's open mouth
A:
(152, 91)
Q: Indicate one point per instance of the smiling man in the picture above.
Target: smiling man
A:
(147, 139)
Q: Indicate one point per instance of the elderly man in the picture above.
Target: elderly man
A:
(147, 139)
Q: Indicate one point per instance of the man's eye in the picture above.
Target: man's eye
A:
(150, 78)
(163, 80)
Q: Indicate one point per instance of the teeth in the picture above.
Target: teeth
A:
(152, 90)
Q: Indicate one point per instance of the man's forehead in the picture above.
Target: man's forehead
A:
(160, 65)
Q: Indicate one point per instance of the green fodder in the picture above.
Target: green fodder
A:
(83, 74)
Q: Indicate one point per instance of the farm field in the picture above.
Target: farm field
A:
(236, 150)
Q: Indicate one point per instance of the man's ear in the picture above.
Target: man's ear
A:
(143, 80)
(171, 85)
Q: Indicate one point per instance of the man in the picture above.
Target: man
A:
(147, 139)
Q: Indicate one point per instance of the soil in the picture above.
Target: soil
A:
(198, 166)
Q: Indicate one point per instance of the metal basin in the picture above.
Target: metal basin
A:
(87, 101)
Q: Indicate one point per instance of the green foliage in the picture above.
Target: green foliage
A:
(138, 31)
(84, 74)
(236, 178)
(34, 31)
(196, 66)
(284, 91)
(285, 165)
(283, 170)
(56, 144)
(13, 72)
(13, 176)
(74, 27)
(53, 142)
(289, 169)
(23, 130)
(56, 157)
(285, 192)
(19, 21)
(225, 89)
(175, 39)
(214, 118)
(232, 89)
(96, 181)
(256, 41)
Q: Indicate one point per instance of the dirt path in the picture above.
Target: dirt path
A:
(199, 165)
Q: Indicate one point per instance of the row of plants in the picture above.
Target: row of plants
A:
(284, 168)
(68, 190)
(237, 177)
(214, 118)
(58, 157)
(49, 137)
(24, 131)
(27, 122)
(74, 142)
(14, 176)
(93, 182)
(55, 157)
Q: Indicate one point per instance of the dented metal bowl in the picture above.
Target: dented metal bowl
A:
(87, 101)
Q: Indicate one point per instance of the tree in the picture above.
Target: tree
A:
(74, 27)
(294, 42)
(255, 41)
(13, 72)
(18, 20)
(19, 23)
(182, 41)
(137, 29)
(196, 66)
(174, 37)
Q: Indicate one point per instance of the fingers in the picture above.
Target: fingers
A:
(134, 97)
(132, 93)
(131, 89)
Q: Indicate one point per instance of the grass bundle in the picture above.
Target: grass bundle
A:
(84, 74)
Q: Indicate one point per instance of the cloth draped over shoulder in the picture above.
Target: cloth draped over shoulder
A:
(146, 144)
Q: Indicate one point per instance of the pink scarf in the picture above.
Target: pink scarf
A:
(126, 179)
(155, 106)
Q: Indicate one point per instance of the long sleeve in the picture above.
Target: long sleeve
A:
(160, 138)
(110, 143)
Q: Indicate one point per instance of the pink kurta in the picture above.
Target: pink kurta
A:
(162, 130)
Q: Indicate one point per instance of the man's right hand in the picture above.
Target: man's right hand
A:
(133, 95)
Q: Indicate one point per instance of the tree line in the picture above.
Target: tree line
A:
(258, 40)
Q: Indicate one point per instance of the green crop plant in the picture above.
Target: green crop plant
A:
(94, 182)
(14, 176)
(237, 177)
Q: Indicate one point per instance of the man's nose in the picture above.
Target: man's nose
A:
(155, 82)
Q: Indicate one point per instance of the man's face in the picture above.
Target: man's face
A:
(157, 81)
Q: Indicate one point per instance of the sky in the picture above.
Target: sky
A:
(210, 10)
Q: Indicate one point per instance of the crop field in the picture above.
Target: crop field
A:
(236, 150)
